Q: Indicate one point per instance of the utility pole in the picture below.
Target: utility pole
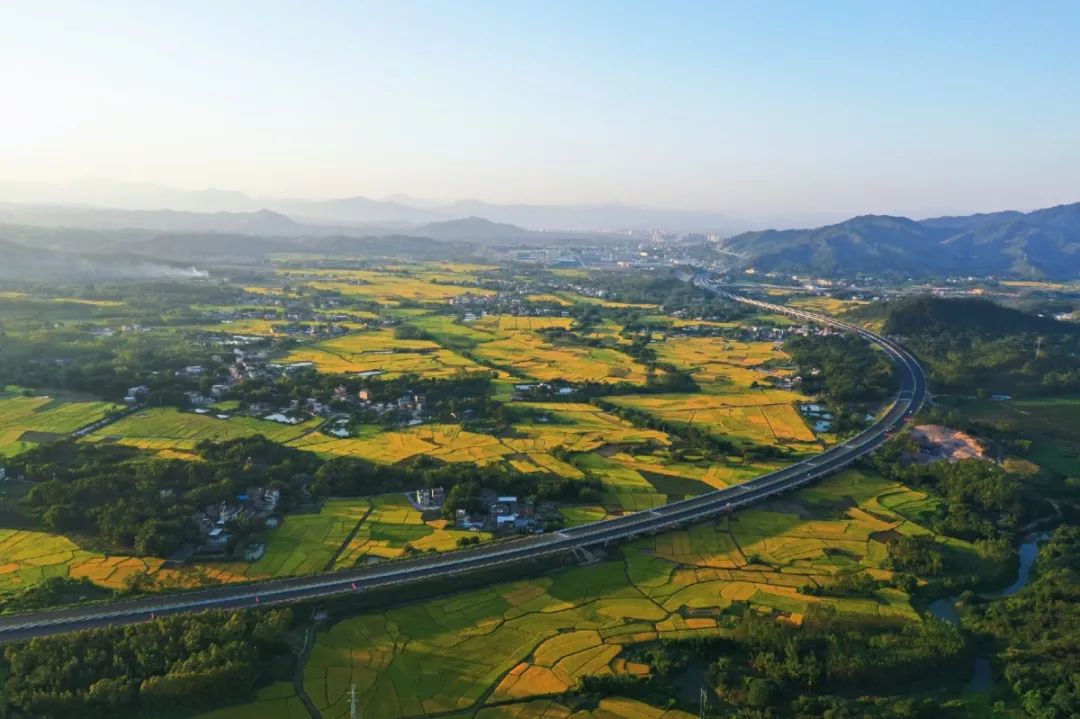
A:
(352, 702)
(1038, 346)
(703, 703)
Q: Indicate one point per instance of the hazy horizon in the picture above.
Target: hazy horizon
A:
(786, 110)
(127, 195)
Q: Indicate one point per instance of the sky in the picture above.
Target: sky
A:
(743, 108)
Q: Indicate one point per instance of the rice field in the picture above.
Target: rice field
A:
(380, 352)
(761, 416)
(391, 287)
(344, 533)
(720, 361)
(825, 305)
(28, 557)
(393, 528)
(27, 421)
(528, 355)
(517, 646)
(578, 428)
(161, 429)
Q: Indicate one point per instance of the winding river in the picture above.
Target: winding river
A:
(945, 608)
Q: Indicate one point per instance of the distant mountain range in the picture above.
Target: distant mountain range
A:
(267, 223)
(397, 213)
(1040, 244)
(260, 222)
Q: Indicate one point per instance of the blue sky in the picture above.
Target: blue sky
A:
(745, 108)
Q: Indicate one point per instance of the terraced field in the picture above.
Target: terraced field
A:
(521, 644)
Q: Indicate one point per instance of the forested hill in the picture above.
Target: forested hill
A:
(977, 346)
(1043, 243)
(934, 315)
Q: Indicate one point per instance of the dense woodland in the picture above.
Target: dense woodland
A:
(1036, 632)
(172, 667)
(842, 368)
(974, 346)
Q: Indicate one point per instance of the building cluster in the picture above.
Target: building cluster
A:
(513, 303)
(505, 515)
(214, 521)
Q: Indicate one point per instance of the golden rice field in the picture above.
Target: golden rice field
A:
(575, 427)
(28, 557)
(26, 421)
(825, 305)
(387, 287)
(717, 360)
(392, 528)
(248, 327)
(166, 429)
(342, 534)
(574, 298)
(519, 645)
(549, 298)
(632, 463)
(270, 328)
(507, 325)
(528, 355)
(379, 351)
(761, 416)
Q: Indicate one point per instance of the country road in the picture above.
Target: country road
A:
(908, 400)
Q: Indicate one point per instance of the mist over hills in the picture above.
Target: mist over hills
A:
(394, 213)
(1042, 243)
(260, 222)
(36, 264)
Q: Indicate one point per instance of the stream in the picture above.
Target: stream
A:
(945, 608)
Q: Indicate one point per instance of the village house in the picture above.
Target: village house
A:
(430, 499)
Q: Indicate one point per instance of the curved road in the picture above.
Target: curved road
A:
(909, 399)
